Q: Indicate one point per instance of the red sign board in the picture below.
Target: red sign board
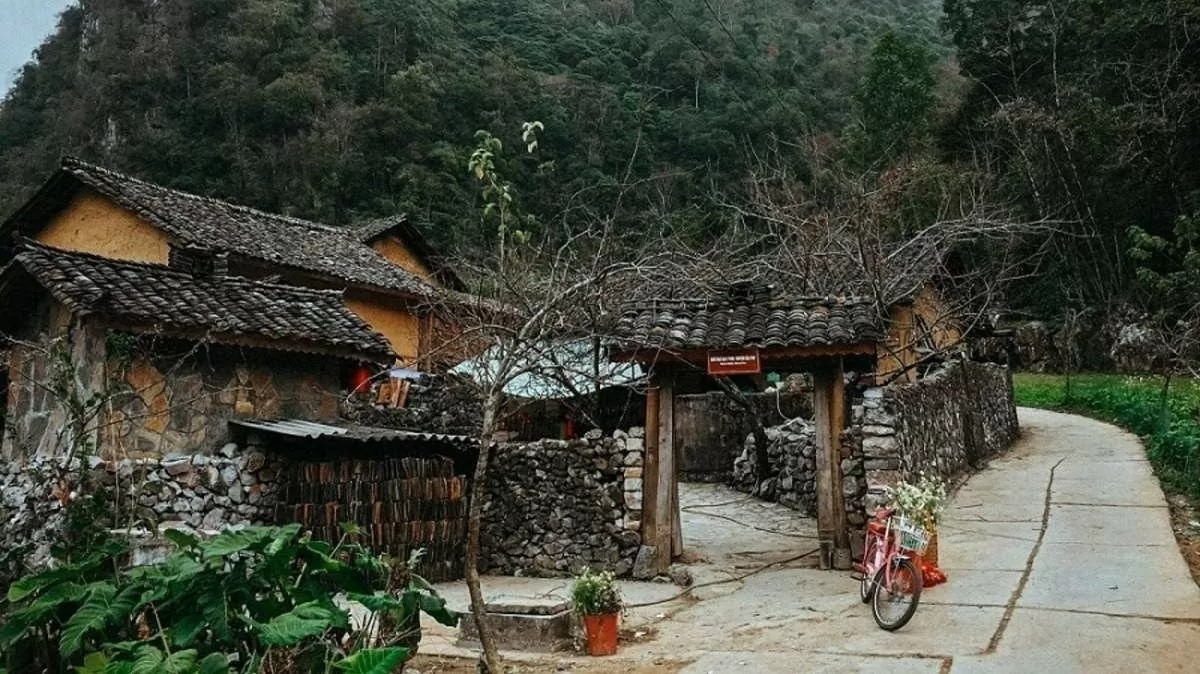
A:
(734, 361)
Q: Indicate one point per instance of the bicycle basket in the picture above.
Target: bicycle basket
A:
(912, 536)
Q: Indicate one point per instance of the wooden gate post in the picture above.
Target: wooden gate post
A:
(670, 535)
(829, 410)
(650, 465)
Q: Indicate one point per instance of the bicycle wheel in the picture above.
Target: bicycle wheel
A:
(895, 602)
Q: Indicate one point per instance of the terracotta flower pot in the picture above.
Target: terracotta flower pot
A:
(601, 632)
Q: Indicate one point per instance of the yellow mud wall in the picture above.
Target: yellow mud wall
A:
(922, 323)
(399, 254)
(390, 318)
(93, 224)
(898, 350)
(936, 328)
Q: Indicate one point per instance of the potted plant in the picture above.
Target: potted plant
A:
(923, 502)
(598, 601)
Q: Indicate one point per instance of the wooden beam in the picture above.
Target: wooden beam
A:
(699, 357)
(650, 465)
(829, 413)
(843, 557)
(666, 502)
(676, 522)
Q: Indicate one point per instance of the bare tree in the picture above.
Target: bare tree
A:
(890, 237)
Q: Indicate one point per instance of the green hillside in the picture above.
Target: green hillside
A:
(343, 109)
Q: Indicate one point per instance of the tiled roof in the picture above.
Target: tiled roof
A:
(412, 237)
(791, 322)
(242, 231)
(226, 309)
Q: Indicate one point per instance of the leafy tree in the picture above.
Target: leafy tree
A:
(894, 100)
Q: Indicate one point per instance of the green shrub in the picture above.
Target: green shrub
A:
(250, 600)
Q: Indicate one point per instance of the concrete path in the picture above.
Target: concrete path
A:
(1060, 557)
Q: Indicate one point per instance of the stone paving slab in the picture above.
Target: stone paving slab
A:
(1070, 643)
(790, 663)
(1129, 580)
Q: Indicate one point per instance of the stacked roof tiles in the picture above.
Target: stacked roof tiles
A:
(749, 322)
(227, 309)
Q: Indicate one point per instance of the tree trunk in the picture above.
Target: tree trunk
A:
(490, 658)
(761, 442)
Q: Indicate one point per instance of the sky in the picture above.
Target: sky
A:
(24, 24)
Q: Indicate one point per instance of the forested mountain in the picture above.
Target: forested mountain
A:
(343, 109)
(1084, 116)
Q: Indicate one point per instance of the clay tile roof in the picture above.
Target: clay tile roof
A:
(399, 225)
(335, 252)
(781, 322)
(225, 309)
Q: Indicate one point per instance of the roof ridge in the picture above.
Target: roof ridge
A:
(73, 164)
(29, 245)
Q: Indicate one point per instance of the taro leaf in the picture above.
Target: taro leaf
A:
(91, 616)
(435, 606)
(283, 537)
(184, 630)
(93, 663)
(17, 622)
(230, 542)
(150, 660)
(215, 663)
(383, 603)
(304, 621)
(182, 539)
(373, 661)
(38, 582)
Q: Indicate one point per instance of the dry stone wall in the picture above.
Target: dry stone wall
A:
(205, 491)
(793, 469)
(946, 424)
(555, 506)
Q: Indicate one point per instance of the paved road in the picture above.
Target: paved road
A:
(1069, 535)
(1060, 556)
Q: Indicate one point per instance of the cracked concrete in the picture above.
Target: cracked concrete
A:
(1060, 557)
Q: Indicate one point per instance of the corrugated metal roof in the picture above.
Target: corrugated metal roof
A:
(311, 430)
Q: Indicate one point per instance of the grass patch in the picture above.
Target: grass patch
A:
(1166, 417)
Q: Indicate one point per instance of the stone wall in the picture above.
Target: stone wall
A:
(206, 492)
(946, 424)
(710, 428)
(555, 506)
(793, 469)
(144, 397)
(165, 403)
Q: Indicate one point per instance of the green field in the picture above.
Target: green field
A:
(1168, 419)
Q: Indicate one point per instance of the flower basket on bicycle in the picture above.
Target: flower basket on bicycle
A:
(921, 503)
(913, 537)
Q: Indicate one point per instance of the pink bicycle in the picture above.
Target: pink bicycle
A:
(890, 581)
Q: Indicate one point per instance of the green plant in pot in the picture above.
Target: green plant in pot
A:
(598, 601)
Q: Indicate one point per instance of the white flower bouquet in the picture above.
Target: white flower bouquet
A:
(922, 501)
